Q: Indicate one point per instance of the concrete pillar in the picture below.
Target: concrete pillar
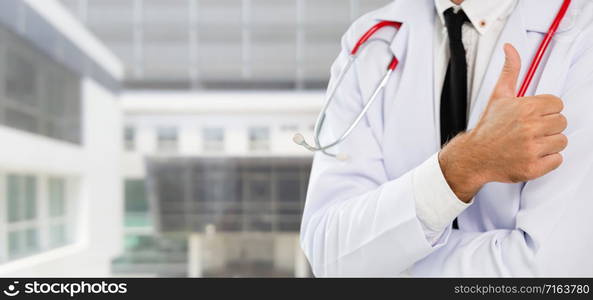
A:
(194, 253)
(189, 140)
(301, 266)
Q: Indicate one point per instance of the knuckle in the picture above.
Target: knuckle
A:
(528, 106)
(551, 102)
(563, 121)
(531, 171)
(528, 129)
(548, 96)
(556, 162)
(559, 103)
(563, 141)
(555, 100)
(532, 151)
(529, 153)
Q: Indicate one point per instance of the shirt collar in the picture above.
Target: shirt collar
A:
(481, 13)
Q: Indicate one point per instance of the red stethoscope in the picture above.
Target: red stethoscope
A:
(300, 140)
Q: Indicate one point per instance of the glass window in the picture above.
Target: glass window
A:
(129, 138)
(213, 139)
(57, 235)
(13, 197)
(259, 139)
(30, 195)
(21, 78)
(21, 195)
(21, 120)
(57, 197)
(135, 196)
(31, 240)
(22, 242)
(22, 199)
(41, 96)
(137, 211)
(167, 139)
(61, 106)
(58, 202)
(55, 93)
(27, 225)
(14, 244)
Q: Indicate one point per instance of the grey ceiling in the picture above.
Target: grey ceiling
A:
(220, 44)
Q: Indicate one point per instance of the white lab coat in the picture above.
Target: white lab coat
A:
(360, 217)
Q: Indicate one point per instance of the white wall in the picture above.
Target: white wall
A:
(235, 112)
(97, 166)
(61, 19)
(236, 127)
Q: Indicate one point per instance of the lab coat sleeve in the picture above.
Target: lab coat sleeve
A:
(436, 203)
(553, 230)
(356, 221)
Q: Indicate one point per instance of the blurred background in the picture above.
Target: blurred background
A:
(153, 137)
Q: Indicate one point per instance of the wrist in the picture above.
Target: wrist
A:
(460, 163)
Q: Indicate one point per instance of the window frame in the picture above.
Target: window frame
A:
(130, 144)
(259, 145)
(167, 146)
(43, 222)
(65, 218)
(22, 225)
(67, 127)
(213, 146)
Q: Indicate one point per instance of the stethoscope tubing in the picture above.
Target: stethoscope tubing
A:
(362, 42)
(543, 47)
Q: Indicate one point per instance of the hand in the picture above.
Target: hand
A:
(516, 140)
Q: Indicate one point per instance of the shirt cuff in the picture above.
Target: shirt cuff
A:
(436, 204)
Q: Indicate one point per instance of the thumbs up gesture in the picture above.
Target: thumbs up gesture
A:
(516, 140)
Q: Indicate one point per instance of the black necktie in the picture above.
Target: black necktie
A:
(454, 94)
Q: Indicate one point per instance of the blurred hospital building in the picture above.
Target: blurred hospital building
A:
(153, 137)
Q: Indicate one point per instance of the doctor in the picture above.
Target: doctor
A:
(448, 143)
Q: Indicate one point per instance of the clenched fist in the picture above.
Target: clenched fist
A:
(517, 139)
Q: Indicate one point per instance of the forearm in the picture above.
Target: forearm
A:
(462, 167)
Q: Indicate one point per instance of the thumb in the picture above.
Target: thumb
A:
(507, 82)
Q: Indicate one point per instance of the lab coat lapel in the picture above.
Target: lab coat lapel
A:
(529, 17)
(409, 101)
(415, 15)
(514, 33)
(555, 64)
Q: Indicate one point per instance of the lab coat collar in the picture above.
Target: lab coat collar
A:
(416, 16)
(531, 15)
(537, 14)
(481, 13)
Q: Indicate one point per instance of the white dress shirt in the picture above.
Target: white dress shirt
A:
(436, 204)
